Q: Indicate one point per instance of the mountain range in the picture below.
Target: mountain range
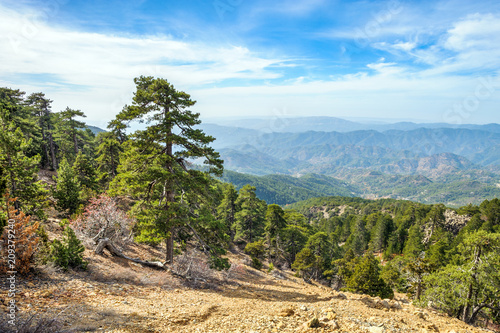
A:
(453, 164)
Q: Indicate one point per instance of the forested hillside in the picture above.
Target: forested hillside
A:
(120, 188)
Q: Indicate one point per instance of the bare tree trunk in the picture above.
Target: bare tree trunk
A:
(105, 243)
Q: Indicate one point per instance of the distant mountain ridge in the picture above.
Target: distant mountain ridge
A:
(280, 124)
(430, 163)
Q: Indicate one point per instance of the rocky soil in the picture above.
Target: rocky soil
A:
(115, 295)
(245, 300)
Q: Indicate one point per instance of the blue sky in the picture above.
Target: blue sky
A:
(433, 61)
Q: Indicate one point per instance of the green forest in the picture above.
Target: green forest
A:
(146, 184)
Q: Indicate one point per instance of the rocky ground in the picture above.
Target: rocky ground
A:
(115, 295)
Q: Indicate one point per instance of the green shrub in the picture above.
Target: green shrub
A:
(256, 249)
(366, 279)
(68, 252)
(256, 263)
(270, 268)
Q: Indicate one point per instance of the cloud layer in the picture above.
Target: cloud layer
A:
(447, 74)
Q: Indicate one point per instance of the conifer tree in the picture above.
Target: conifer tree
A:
(85, 171)
(20, 171)
(275, 222)
(153, 167)
(41, 109)
(68, 188)
(26, 239)
(414, 245)
(71, 135)
(226, 211)
(249, 223)
(294, 239)
(108, 157)
(366, 278)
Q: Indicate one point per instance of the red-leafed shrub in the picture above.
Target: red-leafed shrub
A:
(103, 219)
(19, 240)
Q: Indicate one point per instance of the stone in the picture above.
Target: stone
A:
(333, 325)
(313, 323)
(339, 296)
(419, 314)
(376, 329)
(432, 328)
(287, 312)
(331, 315)
(395, 305)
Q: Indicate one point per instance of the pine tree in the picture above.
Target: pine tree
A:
(68, 188)
(108, 157)
(381, 233)
(294, 239)
(71, 135)
(275, 222)
(249, 220)
(358, 240)
(25, 236)
(469, 289)
(41, 109)
(153, 167)
(68, 252)
(366, 278)
(226, 211)
(414, 245)
(85, 171)
(20, 171)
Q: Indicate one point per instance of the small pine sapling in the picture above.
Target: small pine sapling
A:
(69, 251)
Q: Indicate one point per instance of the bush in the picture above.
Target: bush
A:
(255, 249)
(270, 268)
(256, 263)
(102, 219)
(20, 241)
(68, 252)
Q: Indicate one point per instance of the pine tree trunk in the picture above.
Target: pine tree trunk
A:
(419, 289)
(169, 242)
(170, 197)
(45, 148)
(75, 141)
(51, 141)
(468, 301)
(52, 152)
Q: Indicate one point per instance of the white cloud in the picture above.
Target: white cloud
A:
(476, 32)
(103, 66)
(94, 72)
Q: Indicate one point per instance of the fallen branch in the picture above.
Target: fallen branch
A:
(105, 243)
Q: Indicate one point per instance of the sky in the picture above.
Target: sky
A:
(427, 61)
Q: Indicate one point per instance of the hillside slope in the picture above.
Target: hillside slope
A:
(118, 296)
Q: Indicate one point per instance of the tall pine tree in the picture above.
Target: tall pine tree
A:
(154, 165)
